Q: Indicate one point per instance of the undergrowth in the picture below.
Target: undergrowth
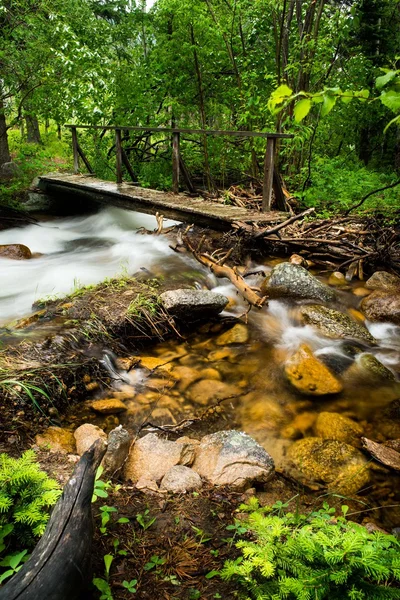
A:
(313, 556)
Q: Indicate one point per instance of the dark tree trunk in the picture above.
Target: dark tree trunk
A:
(59, 131)
(32, 130)
(4, 149)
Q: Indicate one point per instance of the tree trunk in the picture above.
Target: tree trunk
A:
(32, 129)
(4, 149)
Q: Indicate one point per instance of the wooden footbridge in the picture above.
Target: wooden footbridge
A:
(189, 207)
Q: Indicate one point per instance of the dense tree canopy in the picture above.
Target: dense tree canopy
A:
(211, 64)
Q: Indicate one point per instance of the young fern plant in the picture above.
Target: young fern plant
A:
(26, 494)
(314, 557)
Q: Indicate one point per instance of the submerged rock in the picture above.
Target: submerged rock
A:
(233, 458)
(387, 422)
(190, 305)
(207, 390)
(238, 334)
(119, 442)
(337, 278)
(382, 306)
(108, 406)
(296, 259)
(180, 479)
(57, 439)
(367, 365)
(293, 281)
(343, 468)
(309, 375)
(151, 457)
(86, 435)
(333, 323)
(334, 426)
(15, 251)
(382, 280)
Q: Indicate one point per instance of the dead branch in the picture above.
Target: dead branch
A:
(266, 232)
(221, 270)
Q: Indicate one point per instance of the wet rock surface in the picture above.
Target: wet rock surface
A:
(382, 306)
(108, 406)
(341, 467)
(190, 305)
(309, 375)
(239, 334)
(368, 366)
(334, 426)
(293, 281)
(211, 390)
(333, 323)
(232, 458)
(57, 439)
(382, 280)
(15, 251)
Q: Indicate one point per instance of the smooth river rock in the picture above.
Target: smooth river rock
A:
(151, 457)
(293, 281)
(86, 435)
(207, 391)
(334, 426)
(108, 406)
(15, 251)
(180, 479)
(309, 375)
(232, 458)
(190, 305)
(333, 323)
(341, 467)
(382, 306)
(367, 366)
(382, 280)
(238, 334)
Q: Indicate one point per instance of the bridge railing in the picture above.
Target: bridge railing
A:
(271, 179)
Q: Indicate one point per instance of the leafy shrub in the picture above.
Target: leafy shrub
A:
(313, 557)
(26, 494)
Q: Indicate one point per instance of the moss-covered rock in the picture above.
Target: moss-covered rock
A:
(293, 281)
(382, 306)
(334, 426)
(238, 334)
(333, 323)
(368, 366)
(309, 375)
(341, 467)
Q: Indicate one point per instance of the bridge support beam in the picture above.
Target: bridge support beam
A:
(176, 140)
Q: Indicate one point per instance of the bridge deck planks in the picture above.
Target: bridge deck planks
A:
(174, 206)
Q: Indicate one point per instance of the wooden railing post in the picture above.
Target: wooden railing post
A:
(118, 152)
(75, 149)
(268, 174)
(175, 161)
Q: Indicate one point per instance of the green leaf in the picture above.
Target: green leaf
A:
(390, 99)
(329, 103)
(123, 520)
(6, 574)
(381, 81)
(212, 574)
(108, 559)
(301, 109)
(392, 122)
(283, 91)
(347, 96)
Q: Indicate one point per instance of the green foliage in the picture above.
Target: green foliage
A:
(145, 520)
(26, 494)
(314, 557)
(337, 184)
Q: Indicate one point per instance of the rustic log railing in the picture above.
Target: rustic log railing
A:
(271, 180)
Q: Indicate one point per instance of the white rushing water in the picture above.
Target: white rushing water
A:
(77, 251)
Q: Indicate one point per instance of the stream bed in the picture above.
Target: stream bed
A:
(231, 371)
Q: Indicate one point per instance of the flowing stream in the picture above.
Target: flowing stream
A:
(83, 250)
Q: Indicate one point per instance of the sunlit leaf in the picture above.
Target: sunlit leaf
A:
(301, 109)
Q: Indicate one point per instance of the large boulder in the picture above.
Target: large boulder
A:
(333, 323)
(309, 375)
(151, 457)
(119, 442)
(382, 280)
(233, 458)
(341, 467)
(180, 479)
(8, 171)
(382, 306)
(86, 435)
(191, 305)
(334, 426)
(57, 439)
(15, 251)
(293, 281)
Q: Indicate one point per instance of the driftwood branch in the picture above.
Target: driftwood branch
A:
(59, 566)
(266, 232)
(382, 189)
(221, 270)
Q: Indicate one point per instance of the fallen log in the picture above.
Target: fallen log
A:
(386, 456)
(59, 567)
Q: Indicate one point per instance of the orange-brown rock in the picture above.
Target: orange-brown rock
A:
(108, 406)
(86, 435)
(334, 426)
(15, 251)
(309, 375)
(57, 439)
